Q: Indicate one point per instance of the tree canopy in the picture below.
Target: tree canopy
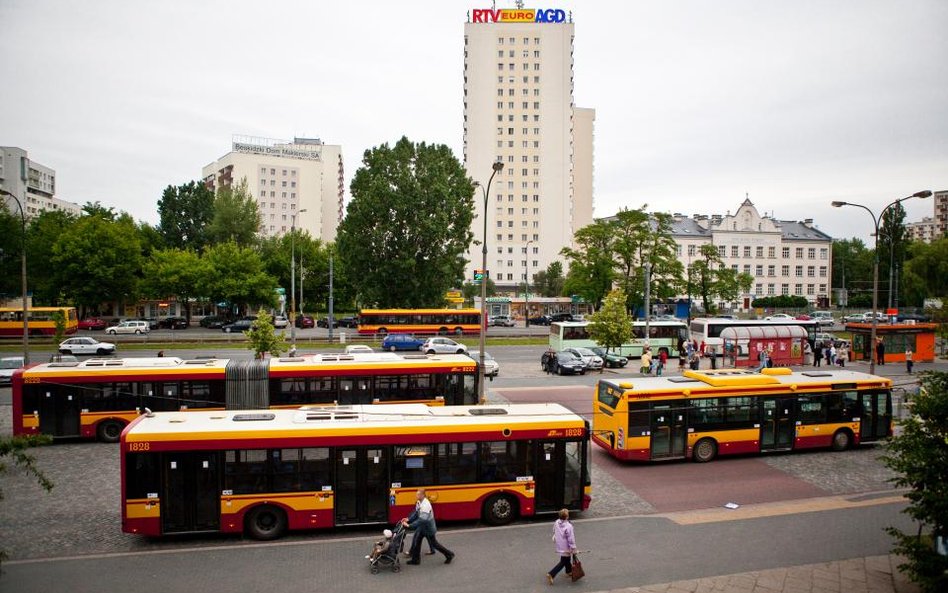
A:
(186, 211)
(611, 326)
(408, 225)
(712, 281)
(236, 216)
(236, 275)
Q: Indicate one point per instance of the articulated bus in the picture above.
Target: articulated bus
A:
(39, 321)
(703, 414)
(420, 321)
(264, 472)
(662, 335)
(98, 397)
(708, 330)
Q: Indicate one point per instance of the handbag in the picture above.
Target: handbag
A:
(577, 569)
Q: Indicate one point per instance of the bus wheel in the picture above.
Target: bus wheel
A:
(458, 331)
(109, 431)
(442, 331)
(382, 331)
(705, 450)
(500, 509)
(265, 522)
(841, 440)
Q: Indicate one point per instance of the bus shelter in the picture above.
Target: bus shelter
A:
(785, 344)
(896, 339)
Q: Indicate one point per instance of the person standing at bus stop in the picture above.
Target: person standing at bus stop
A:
(564, 542)
(909, 363)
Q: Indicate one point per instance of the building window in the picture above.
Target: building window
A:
(759, 289)
(811, 253)
(822, 271)
(785, 252)
(691, 250)
(770, 290)
(273, 171)
(759, 252)
(784, 270)
(799, 271)
(785, 289)
(799, 253)
(798, 289)
(284, 172)
(747, 251)
(735, 251)
(810, 271)
(824, 253)
(822, 289)
(747, 268)
(772, 252)
(771, 270)
(734, 267)
(810, 289)
(759, 271)
(721, 250)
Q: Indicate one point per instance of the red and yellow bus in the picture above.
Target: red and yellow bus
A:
(98, 397)
(264, 472)
(39, 321)
(703, 414)
(420, 321)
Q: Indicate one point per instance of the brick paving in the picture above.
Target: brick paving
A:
(873, 574)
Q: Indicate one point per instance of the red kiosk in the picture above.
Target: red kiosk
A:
(785, 344)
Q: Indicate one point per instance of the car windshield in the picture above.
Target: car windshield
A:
(585, 352)
(567, 354)
(11, 363)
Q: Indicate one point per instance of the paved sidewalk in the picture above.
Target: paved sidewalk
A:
(874, 574)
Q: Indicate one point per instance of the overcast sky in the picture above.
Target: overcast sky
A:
(797, 103)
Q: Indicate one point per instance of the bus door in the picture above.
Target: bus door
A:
(668, 431)
(548, 476)
(59, 410)
(361, 487)
(776, 424)
(190, 497)
(876, 416)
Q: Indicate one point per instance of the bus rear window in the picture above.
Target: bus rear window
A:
(609, 395)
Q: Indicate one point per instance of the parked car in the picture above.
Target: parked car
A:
(129, 327)
(350, 322)
(304, 321)
(151, 321)
(8, 364)
(803, 317)
(562, 363)
(824, 338)
(500, 321)
(280, 321)
(213, 322)
(395, 342)
(824, 318)
(592, 360)
(442, 346)
(866, 317)
(85, 345)
(919, 317)
(241, 325)
(778, 317)
(561, 317)
(611, 360)
(491, 366)
(92, 323)
(358, 349)
(173, 323)
(541, 320)
(324, 322)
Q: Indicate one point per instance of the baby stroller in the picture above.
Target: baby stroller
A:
(390, 557)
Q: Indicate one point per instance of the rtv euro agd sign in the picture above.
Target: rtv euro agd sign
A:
(518, 15)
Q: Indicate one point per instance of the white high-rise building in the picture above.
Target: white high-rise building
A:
(518, 109)
(286, 178)
(33, 184)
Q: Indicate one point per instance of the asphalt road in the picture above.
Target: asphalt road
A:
(622, 552)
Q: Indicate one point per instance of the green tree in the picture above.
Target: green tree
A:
(236, 217)
(549, 282)
(711, 280)
(11, 246)
(852, 269)
(591, 268)
(926, 271)
(235, 274)
(470, 290)
(408, 225)
(892, 246)
(919, 456)
(41, 236)
(312, 266)
(59, 324)
(14, 448)
(611, 326)
(97, 210)
(186, 212)
(262, 337)
(150, 238)
(98, 259)
(174, 273)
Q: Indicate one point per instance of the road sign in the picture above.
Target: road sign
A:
(455, 300)
(479, 276)
(452, 294)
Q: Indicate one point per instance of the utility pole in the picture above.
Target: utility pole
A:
(330, 298)
(293, 280)
(648, 298)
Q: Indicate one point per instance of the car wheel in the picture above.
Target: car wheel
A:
(392, 348)
(111, 332)
(460, 351)
(559, 370)
(226, 330)
(138, 332)
(430, 351)
(101, 351)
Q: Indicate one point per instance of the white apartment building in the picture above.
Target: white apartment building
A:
(302, 179)
(931, 227)
(922, 230)
(518, 109)
(784, 257)
(32, 183)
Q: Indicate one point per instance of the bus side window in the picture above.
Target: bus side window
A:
(142, 475)
(457, 463)
(315, 469)
(812, 410)
(638, 419)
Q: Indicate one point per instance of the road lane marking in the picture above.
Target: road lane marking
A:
(773, 509)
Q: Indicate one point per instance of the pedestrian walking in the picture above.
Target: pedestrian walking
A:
(807, 351)
(762, 360)
(564, 542)
(842, 355)
(817, 354)
(908, 360)
(662, 360)
(681, 353)
(422, 521)
(828, 356)
(713, 355)
(880, 352)
(833, 353)
(695, 360)
(646, 364)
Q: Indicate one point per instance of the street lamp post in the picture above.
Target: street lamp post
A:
(26, 332)
(875, 266)
(481, 392)
(526, 286)
(293, 279)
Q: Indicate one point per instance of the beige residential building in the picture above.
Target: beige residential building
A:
(941, 213)
(518, 109)
(286, 178)
(33, 184)
(785, 257)
(923, 230)
(931, 227)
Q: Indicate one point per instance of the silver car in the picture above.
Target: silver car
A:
(85, 345)
(491, 366)
(442, 346)
(8, 364)
(129, 327)
(592, 360)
